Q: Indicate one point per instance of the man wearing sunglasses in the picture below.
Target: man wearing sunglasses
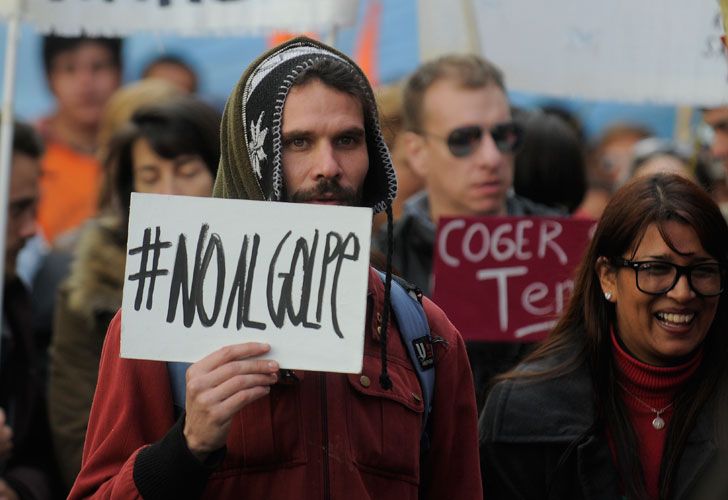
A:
(460, 137)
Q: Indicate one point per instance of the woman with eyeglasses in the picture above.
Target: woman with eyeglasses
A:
(618, 402)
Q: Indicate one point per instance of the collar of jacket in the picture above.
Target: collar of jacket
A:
(552, 412)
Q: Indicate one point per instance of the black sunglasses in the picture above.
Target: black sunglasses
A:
(463, 141)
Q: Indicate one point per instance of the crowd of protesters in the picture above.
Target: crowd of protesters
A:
(624, 399)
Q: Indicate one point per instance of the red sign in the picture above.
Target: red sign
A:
(507, 279)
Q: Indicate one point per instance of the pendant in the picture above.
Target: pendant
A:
(658, 423)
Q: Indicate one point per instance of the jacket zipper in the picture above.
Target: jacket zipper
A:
(325, 437)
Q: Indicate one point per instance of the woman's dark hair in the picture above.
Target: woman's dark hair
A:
(582, 336)
(550, 166)
(178, 126)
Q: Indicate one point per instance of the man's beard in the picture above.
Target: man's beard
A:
(328, 189)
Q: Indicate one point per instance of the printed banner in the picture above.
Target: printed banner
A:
(507, 279)
(202, 273)
(187, 17)
(665, 52)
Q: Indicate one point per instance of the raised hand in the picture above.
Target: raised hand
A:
(218, 386)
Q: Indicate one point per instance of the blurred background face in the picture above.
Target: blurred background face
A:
(82, 80)
(665, 164)
(175, 74)
(185, 174)
(22, 207)
(717, 120)
(476, 184)
(614, 161)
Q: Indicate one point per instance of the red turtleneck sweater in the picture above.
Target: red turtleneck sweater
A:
(656, 386)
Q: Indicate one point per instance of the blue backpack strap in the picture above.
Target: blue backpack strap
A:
(415, 332)
(177, 371)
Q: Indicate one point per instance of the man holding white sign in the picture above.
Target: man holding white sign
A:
(300, 126)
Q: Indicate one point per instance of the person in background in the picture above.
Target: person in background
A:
(54, 265)
(653, 156)
(460, 137)
(26, 465)
(619, 401)
(82, 75)
(714, 138)
(168, 148)
(550, 167)
(173, 69)
(249, 429)
(717, 120)
(409, 182)
(608, 166)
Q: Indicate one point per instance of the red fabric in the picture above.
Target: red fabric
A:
(656, 386)
(275, 447)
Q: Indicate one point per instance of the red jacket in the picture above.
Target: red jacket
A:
(321, 436)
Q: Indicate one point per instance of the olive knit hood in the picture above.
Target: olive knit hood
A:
(251, 132)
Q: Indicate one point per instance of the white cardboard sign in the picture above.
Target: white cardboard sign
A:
(202, 273)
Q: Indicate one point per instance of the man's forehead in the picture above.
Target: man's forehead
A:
(448, 96)
(315, 93)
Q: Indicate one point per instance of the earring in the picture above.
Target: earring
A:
(608, 296)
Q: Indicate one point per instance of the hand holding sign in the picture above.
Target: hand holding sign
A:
(220, 385)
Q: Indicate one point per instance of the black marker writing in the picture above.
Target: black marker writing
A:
(338, 254)
(285, 300)
(291, 279)
(243, 286)
(192, 296)
(143, 274)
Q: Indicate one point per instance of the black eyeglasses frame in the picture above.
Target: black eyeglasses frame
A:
(636, 265)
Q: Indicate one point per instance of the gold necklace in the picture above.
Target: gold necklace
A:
(658, 422)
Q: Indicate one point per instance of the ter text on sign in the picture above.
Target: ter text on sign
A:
(506, 279)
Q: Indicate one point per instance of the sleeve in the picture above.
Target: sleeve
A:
(132, 409)
(451, 467)
(519, 471)
(76, 351)
(30, 471)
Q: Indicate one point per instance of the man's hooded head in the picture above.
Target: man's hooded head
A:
(251, 165)
(252, 138)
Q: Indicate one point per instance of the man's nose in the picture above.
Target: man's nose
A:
(488, 154)
(327, 164)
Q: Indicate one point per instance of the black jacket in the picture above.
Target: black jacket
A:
(29, 470)
(414, 240)
(538, 441)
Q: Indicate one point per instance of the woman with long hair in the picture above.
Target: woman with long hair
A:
(170, 147)
(619, 400)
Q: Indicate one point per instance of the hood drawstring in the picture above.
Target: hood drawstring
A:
(384, 379)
